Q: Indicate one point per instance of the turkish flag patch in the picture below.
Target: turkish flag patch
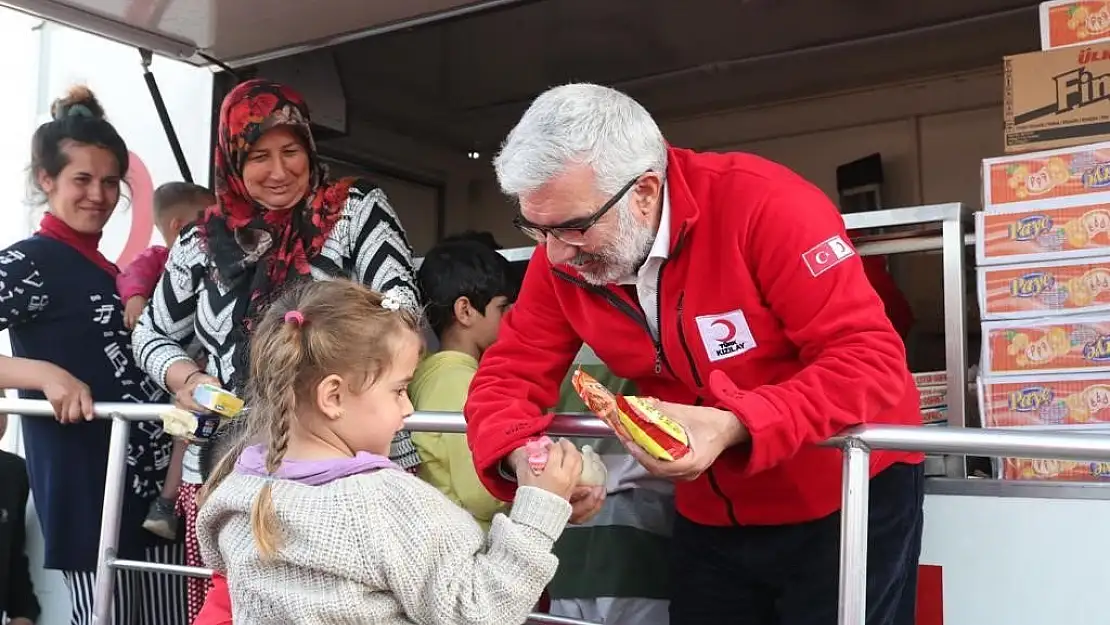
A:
(826, 255)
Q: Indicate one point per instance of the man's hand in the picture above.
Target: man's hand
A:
(19, 620)
(585, 501)
(711, 431)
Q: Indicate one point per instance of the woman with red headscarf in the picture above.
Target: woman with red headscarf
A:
(279, 218)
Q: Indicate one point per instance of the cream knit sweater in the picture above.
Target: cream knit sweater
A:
(380, 548)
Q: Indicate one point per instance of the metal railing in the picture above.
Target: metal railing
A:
(856, 444)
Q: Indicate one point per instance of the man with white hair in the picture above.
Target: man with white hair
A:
(726, 286)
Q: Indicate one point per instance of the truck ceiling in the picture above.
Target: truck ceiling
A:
(243, 32)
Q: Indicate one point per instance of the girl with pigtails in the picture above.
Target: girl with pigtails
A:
(309, 519)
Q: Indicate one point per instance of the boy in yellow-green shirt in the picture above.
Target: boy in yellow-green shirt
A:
(467, 287)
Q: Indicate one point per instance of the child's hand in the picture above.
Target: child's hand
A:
(132, 310)
(559, 477)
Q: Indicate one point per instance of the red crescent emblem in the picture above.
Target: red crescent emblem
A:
(142, 211)
(730, 330)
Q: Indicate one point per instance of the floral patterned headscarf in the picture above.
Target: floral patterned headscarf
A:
(255, 250)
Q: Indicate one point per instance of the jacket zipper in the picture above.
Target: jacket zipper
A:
(685, 347)
(713, 484)
(635, 314)
(720, 493)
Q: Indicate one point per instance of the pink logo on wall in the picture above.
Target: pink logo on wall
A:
(142, 211)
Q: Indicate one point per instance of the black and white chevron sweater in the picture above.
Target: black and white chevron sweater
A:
(368, 244)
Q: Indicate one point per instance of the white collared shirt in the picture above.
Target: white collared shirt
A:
(647, 278)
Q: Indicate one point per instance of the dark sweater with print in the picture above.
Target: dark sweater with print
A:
(61, 308)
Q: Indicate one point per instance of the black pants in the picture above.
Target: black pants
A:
(789, 574)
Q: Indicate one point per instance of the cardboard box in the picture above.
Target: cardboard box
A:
(1050, 233)
(1074, 23)
(1048, 401)
(1064, 177)
(1058, 98)
(930, 379)
(1073, 344)
(933, 398)
(1043, 289)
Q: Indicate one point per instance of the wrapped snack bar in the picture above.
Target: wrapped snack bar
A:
(634, 418)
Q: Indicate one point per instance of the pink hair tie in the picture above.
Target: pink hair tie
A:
(294, 317)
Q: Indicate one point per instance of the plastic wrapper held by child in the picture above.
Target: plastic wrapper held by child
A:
(594, 472)
(219, 404)
(633, 418)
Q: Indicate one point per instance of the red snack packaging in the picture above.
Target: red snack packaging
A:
(634, 418)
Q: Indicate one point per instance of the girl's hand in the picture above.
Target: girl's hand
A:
(183, 397)
(70, 397)
(559, 477)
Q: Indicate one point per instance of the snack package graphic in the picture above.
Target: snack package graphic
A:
(633, 418)
(1042, 289)
(1049, 401)
(1052, 345)
(1051, 233)
(220, 406)
(1074, 23)
(1069, 176)
(1058, 470)
(217, 400)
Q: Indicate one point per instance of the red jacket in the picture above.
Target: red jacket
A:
(764, 311)
(897, 308)
(217, 604)
(142, 275)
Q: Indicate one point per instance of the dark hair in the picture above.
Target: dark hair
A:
(461, 268)
(483, 237)
(77, 117)
(177, 195)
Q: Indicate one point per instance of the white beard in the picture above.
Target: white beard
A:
(630, 245)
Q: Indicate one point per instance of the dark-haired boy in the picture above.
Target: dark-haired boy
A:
(467, 287)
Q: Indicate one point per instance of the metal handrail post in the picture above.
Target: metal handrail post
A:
(854, 508)
(955, 331)
(115, 482)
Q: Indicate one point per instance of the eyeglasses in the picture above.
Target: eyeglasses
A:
(573, 232)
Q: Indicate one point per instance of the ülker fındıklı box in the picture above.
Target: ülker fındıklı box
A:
(1059, 98)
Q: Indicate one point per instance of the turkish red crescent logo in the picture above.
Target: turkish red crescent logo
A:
(730, 330)
(142, 211)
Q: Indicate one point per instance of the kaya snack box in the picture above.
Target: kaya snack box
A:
(1056, 99)
(1049, 401)
(1041, 289)
(1029, 235)
(1073, 344)
(1074, 23)
(1069, 177)
(1062, 470)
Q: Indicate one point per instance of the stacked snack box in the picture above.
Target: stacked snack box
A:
(1066, 23)
(933, 388)
(1043, 241)
(1043, 252)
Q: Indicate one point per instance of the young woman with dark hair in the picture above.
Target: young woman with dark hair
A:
(70, 346)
